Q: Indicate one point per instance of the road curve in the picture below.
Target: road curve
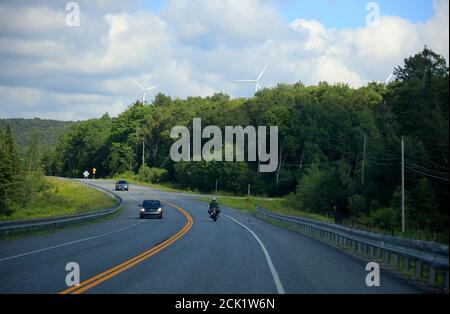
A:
(185, 252)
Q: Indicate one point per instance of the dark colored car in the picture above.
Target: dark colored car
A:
(122, 185)
(151, 208)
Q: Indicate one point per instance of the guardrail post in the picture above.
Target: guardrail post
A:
(395, 259)
(386, 257)
(432, 274)
(405, 263)
(365, 249)
(378, 253)
(446, 280)
(360, 247)
(418, 269)
(371, 251)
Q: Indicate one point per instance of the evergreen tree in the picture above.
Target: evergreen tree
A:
(2, 173)
(10, 178)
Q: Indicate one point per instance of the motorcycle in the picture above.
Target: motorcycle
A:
(214, 213)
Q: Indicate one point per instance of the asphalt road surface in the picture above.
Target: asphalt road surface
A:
(185, 252)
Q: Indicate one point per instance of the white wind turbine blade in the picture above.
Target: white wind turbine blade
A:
(153, 87)
(142, 87)
(262, 72)
(389, 78)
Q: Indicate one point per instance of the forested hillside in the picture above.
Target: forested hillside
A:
(340, 147)
(47, 132)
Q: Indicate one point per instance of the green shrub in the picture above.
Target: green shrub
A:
(357, 204)
(385, 217)
(151, 175)
(127, 175)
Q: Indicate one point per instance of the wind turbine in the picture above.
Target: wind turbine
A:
(385, 82)
(145, 89)
(257, 85)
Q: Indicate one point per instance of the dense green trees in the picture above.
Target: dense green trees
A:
(19, 177)
(85, 146)
(48, 131)
(322, 130)
(9, 170)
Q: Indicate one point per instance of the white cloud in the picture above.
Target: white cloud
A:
(61, 106)
(193, 47)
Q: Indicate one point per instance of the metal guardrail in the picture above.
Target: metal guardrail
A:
(420, 259)
(42, 223)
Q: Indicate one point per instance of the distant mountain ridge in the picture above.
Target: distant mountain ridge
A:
(47, 131)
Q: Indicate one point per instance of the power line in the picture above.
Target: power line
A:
(383, 163)
(383, 159)
(426, 174)
(427, 170)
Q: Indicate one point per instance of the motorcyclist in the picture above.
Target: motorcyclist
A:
(213, 204)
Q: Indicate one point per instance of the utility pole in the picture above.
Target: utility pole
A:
(280, 164)
(403, 185)
(138, 134)
(259, 154)
(143, 152)
(364, 159)
(248, 190)
(216, 186)
(137, 140)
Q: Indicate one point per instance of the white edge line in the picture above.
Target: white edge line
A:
(69, 243)
(275, 276)
(72, 242)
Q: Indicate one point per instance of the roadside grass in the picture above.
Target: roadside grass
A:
(167, 187)
(60, 198)
(275, 205)
(16, 235)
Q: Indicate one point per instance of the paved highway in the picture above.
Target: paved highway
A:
(185, 252)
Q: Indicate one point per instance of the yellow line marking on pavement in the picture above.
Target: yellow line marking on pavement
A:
(98, 279)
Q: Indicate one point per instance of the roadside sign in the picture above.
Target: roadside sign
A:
(86, 174)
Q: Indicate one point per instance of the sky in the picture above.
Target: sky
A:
(51, 67)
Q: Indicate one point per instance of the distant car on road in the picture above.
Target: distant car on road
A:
(122, 185)
(151, 208)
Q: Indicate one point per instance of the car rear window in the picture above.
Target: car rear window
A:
(151, 204)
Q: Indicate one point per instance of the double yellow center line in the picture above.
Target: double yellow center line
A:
(98, 279)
